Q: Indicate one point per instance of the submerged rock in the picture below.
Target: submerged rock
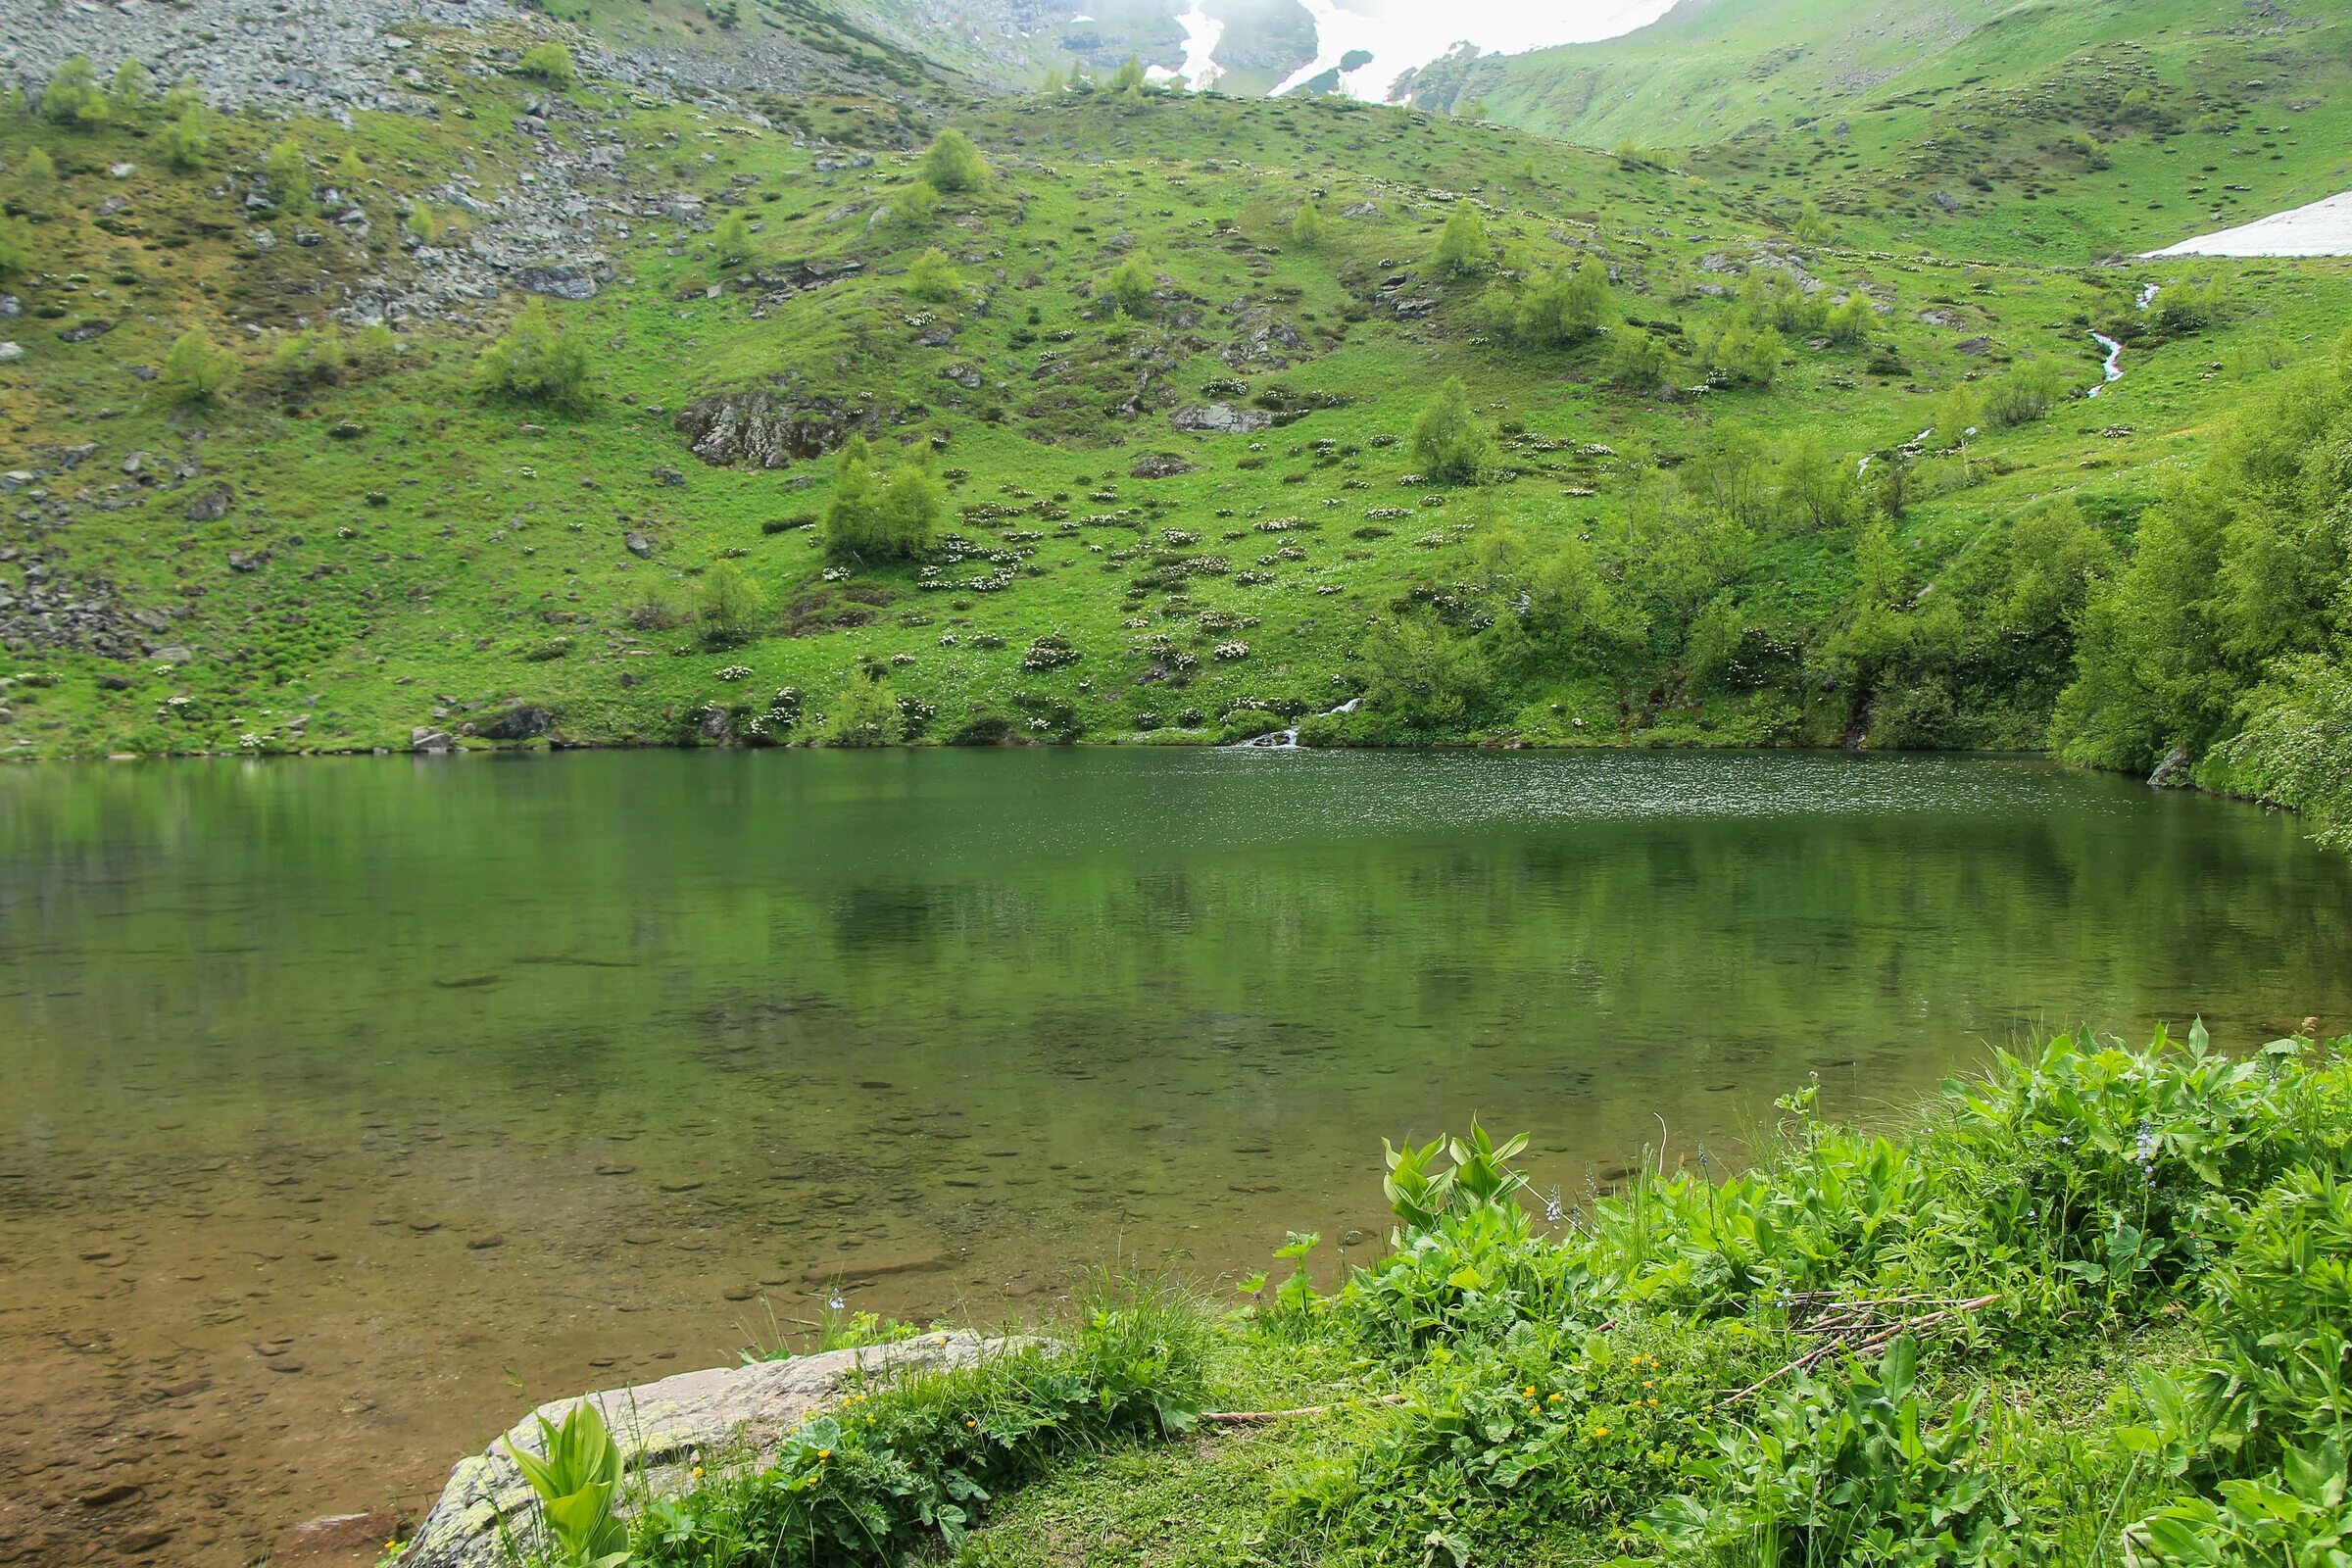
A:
(733, 1414)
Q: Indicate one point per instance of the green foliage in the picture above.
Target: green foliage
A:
(2230, 609)
(187, 142)
(1421, 674)
(195, 369)
(1555, 310)
(548, 61)
(932, 276)
(1448, 442)
(914, 203)
(1308, 227)
(731, 604)
(576, 1478)
(131, 85)
(1462, 243)
(871, 519)
(37, 170)
(1131, 283)
(1858, 1468)
(731, 241)
(1129, 78)
(288, 172)
(18, 248)
(2027, 393)
(1639, 362)
(73, 96)
(862, 715)
(1852, 320)
(535, 362)
(913, 1460)
(303, 361)
(1737, 354)
(953, 162)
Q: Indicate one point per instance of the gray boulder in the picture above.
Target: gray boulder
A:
(1222, 418)
(725, 1415)
(565, 279)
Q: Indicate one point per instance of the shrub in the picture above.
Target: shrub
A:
(933, 276)
(1131, 284)
(1307, 229)
(1448, 442)
(731, 240)
(548, 61)
(869, 520)
(187, 142)
(1556, 310)
(37, 170)
(1639, 362)
(1740, 354)
(73, 96)
(288, 172)
(131, 84)
(195, 369)
(1462, 244)
(536, 362)
(914, 203)
(301, 361)
(17, 248)
(2025, 394)
(953, 164)
(862, 716)
(731, 604)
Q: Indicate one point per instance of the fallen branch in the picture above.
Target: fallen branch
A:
(1863, 1333)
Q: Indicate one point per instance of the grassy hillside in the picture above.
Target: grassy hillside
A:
(1714, 519)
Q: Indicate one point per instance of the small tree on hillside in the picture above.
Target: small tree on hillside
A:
(933, 276)
(187, 142)
(16, 249)
(1562, 308)
(38, 170)
(131, 83)
(73, 96)
(912, 509)
(289, 176)
(731, 240)
(1130, 77)
(535, 363)
(849, 527)
(1639, 362)
(1851, 322)
(1448, 442)
(731, 604)
(1462, 245)
(195, 368)
(1131, 284)
(1306, 228)
(953, 162)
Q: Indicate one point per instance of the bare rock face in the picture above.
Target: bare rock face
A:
(765, 430)
(732, 1414)
(1222, 418)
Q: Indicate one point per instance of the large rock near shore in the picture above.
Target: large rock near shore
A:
(728, 1414)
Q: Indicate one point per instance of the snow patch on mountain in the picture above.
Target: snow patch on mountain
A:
(1401, 35)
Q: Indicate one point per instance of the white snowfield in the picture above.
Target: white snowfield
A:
(2324, 228)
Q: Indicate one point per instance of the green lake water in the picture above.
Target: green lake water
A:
(336, 1096)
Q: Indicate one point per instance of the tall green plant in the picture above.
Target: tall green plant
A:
(577, 1483)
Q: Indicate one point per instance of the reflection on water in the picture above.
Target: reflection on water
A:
(330, 1093)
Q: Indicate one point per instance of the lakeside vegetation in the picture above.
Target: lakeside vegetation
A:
(2089, 1308)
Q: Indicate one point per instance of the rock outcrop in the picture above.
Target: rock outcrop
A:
(765, 429)
(733, 1414)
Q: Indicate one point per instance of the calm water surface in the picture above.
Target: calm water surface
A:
(336, 1096)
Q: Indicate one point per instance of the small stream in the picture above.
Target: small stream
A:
(2112, 371)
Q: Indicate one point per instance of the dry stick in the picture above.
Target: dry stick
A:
(1871, 1341)
(1243, 1418)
